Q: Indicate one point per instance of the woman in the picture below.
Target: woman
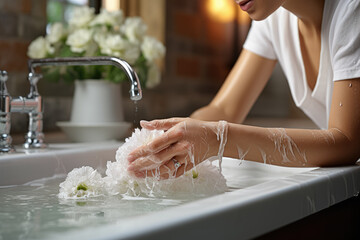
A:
(317, 43)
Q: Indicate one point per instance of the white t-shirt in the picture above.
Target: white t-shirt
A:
(277, 37)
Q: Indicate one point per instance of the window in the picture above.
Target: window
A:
(58, 10)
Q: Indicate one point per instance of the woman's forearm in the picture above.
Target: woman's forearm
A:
(211, 113)
(290, 147)
(240, 90)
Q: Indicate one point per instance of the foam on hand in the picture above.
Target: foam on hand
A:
(204, 179)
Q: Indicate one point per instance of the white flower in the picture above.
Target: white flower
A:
(113, 18)
(131, 54)
(108, 33)
(56, 33)
(115, 45)
(152, 49)
(119, 182)
(82, 183)
(153, 76)
(79, 40)
(204, 179)
(137, 139)
(134, 29)
(39, 48)
(81, 16)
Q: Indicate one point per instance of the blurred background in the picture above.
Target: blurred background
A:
(203, 39)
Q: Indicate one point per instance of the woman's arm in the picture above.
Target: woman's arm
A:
(191, 141)
(338, 145)
(240, 90)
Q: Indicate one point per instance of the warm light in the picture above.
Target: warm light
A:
(243, 18)
(221, 10)
(111, 5)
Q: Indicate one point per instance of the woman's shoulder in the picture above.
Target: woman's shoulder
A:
(341, 18)
(341, 29)
(340, 11)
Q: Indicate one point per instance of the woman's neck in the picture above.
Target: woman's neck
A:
(309, 12)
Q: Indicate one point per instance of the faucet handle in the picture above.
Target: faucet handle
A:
(34, 78)
(5, 115)
(3, 76)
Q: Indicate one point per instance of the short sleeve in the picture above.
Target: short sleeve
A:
(259, 41)
(345, 41)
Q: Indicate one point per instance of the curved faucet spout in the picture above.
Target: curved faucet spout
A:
(135, 90)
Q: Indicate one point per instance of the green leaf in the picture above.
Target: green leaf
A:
(141, 70)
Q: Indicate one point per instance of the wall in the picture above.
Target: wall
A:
(200, 53)
(197, 61)
(21, 21)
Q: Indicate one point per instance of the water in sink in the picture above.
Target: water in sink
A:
(33, 210)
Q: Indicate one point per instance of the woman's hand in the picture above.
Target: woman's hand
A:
(185, 143)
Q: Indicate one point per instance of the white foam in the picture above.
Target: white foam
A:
(204, 179)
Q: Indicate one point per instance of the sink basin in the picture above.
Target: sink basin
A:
(251, 207)
(29, 165)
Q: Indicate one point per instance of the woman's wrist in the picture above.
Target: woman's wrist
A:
(217, 137)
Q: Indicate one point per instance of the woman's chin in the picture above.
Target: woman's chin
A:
(257, 16)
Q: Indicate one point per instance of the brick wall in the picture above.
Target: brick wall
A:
(200, 54)
(199, 57)
(21, 21)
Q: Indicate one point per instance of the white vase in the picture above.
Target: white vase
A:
(96, 102)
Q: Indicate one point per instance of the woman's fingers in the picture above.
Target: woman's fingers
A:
(184, 168)
(151, 161)
(172, 169)
(180, 140)
(160, 143)
(164, 124)
(143, 163)
(175, 163)
(172, 153)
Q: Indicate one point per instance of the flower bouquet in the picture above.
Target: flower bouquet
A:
(106, 34)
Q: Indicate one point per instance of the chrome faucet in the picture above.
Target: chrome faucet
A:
(135, 90)
(32, 104)
(5, 100)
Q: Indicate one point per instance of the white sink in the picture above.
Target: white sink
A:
(261, 198)
(28, 165)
